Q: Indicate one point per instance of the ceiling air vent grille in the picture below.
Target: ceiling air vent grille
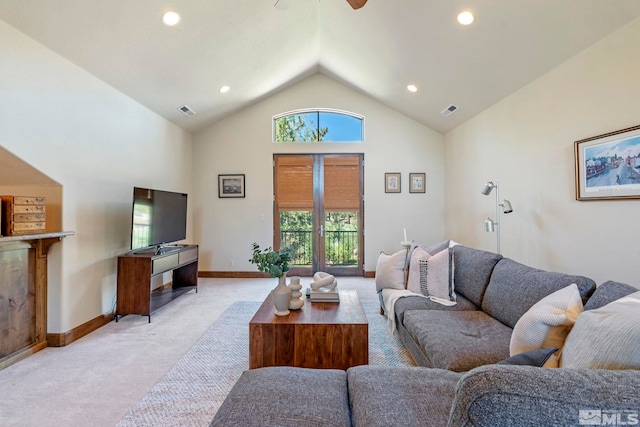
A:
(449, 110)
(187, 111)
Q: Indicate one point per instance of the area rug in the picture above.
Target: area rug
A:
(195, 387)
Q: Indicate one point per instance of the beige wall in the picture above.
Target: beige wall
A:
(242, 144)
(96, 143)
(526, 143)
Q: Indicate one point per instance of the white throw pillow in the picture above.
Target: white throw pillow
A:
(413, 281)
(547, 323)
(606, 338)
(390, 270)
(431, 275)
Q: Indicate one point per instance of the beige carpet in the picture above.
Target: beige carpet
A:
(193, 390)
(96, 380)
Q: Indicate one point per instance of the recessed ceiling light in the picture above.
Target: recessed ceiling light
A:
(412, 88)
(224, 89)
(465, 18)
(170, 18)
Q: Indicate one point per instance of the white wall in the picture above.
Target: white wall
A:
(526, 142)
(98, 144)
(242, 144)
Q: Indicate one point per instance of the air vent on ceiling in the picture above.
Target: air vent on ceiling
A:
(187, 111)
(449, 110)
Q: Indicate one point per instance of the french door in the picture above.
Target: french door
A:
(318, 212)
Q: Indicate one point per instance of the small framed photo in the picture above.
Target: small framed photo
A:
(417, 182)
(608, 166)
(392, 182)
(230, 186)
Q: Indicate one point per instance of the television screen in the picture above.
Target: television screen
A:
(159, 217)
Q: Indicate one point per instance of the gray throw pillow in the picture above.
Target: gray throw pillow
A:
(537, 357)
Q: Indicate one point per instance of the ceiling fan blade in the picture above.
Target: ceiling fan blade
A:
(357, 4)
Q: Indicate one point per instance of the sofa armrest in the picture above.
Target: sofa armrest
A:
(498, 395)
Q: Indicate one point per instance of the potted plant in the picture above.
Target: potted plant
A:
(276, 264)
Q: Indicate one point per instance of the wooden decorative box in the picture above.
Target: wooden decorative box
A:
(23, 215)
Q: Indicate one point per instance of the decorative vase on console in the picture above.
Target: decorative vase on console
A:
(276, 264)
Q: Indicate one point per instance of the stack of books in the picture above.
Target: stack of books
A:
(323, 296)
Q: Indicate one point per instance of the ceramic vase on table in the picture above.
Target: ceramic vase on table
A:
(282, 296)
(296, 296)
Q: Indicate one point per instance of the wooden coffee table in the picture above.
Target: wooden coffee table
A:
(319, 335)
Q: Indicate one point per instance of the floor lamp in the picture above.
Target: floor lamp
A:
(489, 224)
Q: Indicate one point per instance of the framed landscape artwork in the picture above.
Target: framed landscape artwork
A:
(417, 182)
(608, 166)
(231, 186)
(392, 182)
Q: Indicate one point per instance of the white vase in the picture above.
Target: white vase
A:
(281, 296)
(296, 301)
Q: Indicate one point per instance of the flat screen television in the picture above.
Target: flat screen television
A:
(158, 218)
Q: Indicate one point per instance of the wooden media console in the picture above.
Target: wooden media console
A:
(136, 269)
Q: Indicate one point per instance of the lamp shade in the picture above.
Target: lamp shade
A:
(506, 206)
(486, 189)
(489, 225)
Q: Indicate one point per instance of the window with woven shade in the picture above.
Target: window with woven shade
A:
(318, 210)
(341, 184)
(294, 182)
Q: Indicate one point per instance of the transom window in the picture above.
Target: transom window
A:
(318, 125)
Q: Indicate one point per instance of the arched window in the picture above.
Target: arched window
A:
(318, 125)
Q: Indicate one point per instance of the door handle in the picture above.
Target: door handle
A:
(321, 231)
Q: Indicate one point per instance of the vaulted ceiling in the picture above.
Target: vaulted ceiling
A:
(258, 50)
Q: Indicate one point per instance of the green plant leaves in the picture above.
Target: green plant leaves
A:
(276, 263)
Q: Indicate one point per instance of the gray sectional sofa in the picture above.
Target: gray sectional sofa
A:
(459, 382)
(492, 293)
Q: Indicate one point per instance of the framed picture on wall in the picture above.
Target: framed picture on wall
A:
(417, 182)
(608, 166)
(230, 186)
(392, 182)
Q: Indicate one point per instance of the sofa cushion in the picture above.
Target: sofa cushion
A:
(419, 303)
(390, 270)
(515, 287)
(458, 340)
(287, 396)
(547, 323)
(473, 269)
(606, 338)
(537, 357)
(608, 292)
(400, 396)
